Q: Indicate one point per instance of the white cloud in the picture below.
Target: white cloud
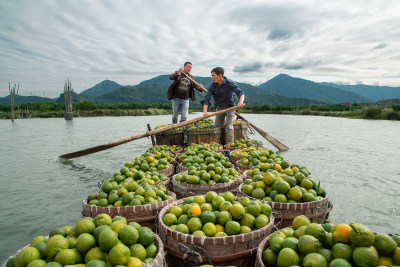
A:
(44, 42)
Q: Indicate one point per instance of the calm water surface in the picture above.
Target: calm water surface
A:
(357, 162)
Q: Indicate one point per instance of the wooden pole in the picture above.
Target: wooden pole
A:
(135, 137)
(152, 136)
(268, 137)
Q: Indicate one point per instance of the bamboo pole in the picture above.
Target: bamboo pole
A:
(139, 136)
(268, 137)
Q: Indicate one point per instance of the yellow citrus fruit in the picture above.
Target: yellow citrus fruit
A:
(102, 219)
(300, 231)
(138, 251)
(194, 211)
(65, 257)
(229, 196)
(84, 226)
(209, 229)
(237, 211)
(225, 206)
(134, 262)
(199, 199)
(39, 238)
(36, 263)
(396, 256)
(194, 224)
(55, 245)
(176, 210)
(170, 219)
(95, 254)
(220, 228)
(26, 256)
(341, 233)
(117, 226)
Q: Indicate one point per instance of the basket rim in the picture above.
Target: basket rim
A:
(146, 207)
(290, 206)
(208, 186)
(205, 240)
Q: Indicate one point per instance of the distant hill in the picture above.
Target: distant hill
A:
(102, 88)
(369, 91)
(20, 99)
(288, 86)
(280, 90)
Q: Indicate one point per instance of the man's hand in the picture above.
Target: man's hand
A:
(179, 71)
(241, 104)
(205, 114)
(201, 87)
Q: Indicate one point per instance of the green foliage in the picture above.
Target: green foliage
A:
(371, 112)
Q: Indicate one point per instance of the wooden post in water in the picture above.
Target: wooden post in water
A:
(12, 98)
(68, 100)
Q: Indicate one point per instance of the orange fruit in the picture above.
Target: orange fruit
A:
(341, 233)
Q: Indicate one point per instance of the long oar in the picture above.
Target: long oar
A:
(95, 149)
(194, 82)
(269, 138)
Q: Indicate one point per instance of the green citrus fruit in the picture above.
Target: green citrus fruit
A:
(85, 242)
(287, 257)
(55, 245)
(26, 256)
(129, 235)
(138, 251)
(314, 259)
(146, 236)
(119, 254)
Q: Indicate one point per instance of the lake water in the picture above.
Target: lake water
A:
(357, 162)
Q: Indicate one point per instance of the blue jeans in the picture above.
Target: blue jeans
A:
(182, 106)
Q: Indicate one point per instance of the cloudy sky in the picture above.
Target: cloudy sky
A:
(343, 41)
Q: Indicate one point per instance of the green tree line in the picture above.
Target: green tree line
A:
(86, 108)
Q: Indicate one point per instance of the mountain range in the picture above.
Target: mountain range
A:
(280, 90)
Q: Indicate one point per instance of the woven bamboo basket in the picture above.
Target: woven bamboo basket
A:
(170, 137)
(316, 211)
(263, 245)
(242, 167)
(168, 171)
(143, 214)
(204, 135)
(184, 190)
(239, 250)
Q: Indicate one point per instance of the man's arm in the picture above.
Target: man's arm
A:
(175, 74)
(241, 100)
